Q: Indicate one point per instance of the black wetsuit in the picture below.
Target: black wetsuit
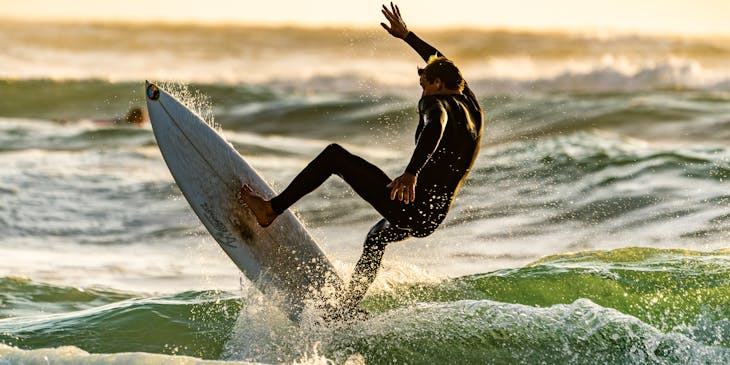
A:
(447, 142)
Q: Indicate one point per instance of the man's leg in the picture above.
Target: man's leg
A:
(367, 267)
(366, 179)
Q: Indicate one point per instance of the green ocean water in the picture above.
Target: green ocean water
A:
(631, 305)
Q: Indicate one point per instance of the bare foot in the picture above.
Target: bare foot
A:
(260, 207)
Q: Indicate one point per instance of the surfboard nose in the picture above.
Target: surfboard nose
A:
(152, 91)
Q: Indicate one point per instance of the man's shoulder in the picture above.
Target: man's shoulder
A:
(467, 101)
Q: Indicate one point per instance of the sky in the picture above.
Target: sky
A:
(651, 16)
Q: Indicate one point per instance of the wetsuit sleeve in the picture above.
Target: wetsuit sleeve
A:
(423, 49)
(426, 50)
(434, 118)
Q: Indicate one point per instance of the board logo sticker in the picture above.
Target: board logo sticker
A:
(153, 92)
(222, 233)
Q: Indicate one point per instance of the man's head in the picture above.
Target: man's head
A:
(440, 76)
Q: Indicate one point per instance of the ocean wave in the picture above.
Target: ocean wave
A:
(192, 323)
(72, 355)
(631, 305)
(360, 61)
(604, 78)
(21, 297)
(514, 77)
(596, 189)
(573, 156)
(487, 332)
(520, 76)
(63, 135)
(92, 105)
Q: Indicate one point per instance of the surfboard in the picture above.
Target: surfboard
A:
(282, 260)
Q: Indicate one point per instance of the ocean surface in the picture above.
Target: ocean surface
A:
(592, 229)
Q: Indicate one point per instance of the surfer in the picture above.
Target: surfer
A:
(415, 203)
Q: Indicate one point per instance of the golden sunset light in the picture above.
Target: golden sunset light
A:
(243, 182)
(673, 16)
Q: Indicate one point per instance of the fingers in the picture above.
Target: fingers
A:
(403, 192)
(393, 192)
(397, 27)
(395, 11)
(393, 14)
(387, 28)
(409, 194)
(388, 15)
(395, 187)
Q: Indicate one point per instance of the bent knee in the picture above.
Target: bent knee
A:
(335, 154)
(334, 148)
(378, 237)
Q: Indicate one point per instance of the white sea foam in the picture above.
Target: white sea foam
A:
(74, 356)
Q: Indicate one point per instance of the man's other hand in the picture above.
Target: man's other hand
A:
(403, 188)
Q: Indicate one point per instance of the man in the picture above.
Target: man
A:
(414, 204)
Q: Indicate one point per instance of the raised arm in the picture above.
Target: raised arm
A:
(398, 29)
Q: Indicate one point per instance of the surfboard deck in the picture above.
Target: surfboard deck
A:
(282, 259)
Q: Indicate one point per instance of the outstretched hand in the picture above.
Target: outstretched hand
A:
(397, 26)
(403, 187)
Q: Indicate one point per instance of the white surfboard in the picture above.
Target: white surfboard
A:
(281, 258)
